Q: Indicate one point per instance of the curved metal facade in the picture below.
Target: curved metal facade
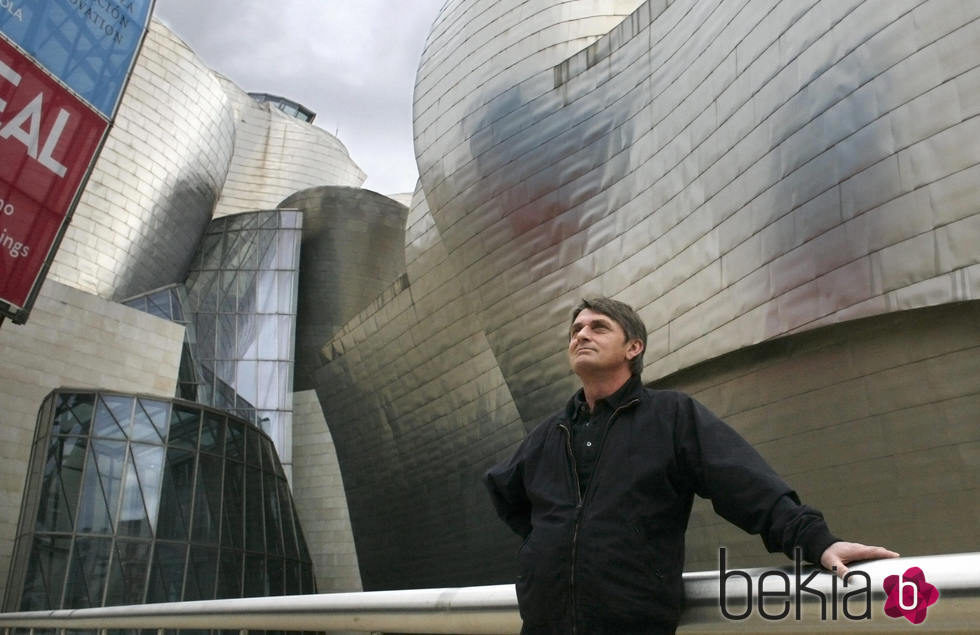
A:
(352, 249)
(276, 155)
(135, 499)
(152, 190)
(741, 172)
(187, 145)
(736, 170)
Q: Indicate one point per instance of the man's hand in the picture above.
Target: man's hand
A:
(842, 553)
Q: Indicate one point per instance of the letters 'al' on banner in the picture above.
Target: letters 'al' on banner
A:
(48, 139)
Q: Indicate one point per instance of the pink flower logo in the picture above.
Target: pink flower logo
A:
(909, 595)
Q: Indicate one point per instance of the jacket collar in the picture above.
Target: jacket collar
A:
(626, 393)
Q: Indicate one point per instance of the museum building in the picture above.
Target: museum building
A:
(239, 353)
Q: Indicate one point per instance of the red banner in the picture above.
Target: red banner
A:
(48, 139)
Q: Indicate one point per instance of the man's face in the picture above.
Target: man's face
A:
(597, 343)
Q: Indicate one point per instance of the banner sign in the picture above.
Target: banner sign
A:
(89, 45)
(48, 139)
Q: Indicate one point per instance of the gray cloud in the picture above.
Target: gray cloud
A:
(353, 63)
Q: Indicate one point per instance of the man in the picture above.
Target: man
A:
(601, 492)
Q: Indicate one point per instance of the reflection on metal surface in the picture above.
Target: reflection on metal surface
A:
(353, 247)
(276, 155)
(416, 405)
(736, 170)
(187, 144)
(152, 190)
(739, 171)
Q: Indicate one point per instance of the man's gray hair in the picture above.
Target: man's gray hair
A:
(623, 315)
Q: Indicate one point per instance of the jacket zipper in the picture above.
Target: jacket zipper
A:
(578, 515)
(581, 499)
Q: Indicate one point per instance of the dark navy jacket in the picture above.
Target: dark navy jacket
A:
(615, 555)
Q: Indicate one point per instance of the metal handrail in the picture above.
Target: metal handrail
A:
(493, 609)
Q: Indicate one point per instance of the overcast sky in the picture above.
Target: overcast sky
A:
(352, 62)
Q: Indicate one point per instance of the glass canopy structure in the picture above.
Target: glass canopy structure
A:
(134, 499)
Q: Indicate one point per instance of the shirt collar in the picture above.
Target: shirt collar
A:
(577, 406)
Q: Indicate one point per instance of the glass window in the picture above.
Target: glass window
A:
(73, 414)
(175, 498)
(307, 579)
(254, 531)
(286, 514)
(184, 425)
(266, 249)
(206, 289)
(304, 553)
(265, 291)
(273, 523)
(127, 575)
(291, 219)
(211, 251)
(151, 421)
(45, 573)
(288, 250)
(133, 519)
(177, 304)
(287, 292)
(247, 383)
(268, 384)
(225, 336)
(256, 580)
(202, 573)
(158, 304)
(251, 255)
(268, 340)
(233, 517)
(236, 440)
(247, 346)
(270, 460)
(61, 485)
(205, 328)
(207, 504)
(213, 433)
(228, 294)
(167, 572)
(230, 574)
(87, 572)
(276, 582)
(292, 584)
(101, 487)
(252, 456)
(268, 422)
(238, 514)
(112, 417)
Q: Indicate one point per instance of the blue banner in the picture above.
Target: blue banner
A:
(88, 44)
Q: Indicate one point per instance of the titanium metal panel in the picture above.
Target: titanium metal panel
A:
(352, 249)
(742, 172)
(417, 407)
(161, 169)
(703, 161)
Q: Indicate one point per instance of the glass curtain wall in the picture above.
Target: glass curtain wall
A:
(134, 499)
(241, 301)
(168, 303)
